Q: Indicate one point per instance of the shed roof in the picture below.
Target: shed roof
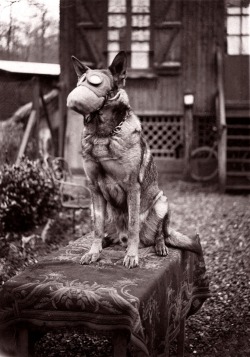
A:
(49, 69)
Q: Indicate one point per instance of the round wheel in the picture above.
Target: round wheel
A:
(203, 164)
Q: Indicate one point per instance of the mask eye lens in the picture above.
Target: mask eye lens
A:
(95, 80)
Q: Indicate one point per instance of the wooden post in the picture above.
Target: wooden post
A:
(181, 339)
(36, 107)
(120, 344)
(222, 157)
(188, 137)
(26, 135)
(221, 123)
(62, 118)
(22, 342)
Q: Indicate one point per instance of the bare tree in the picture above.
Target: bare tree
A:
(31, 40)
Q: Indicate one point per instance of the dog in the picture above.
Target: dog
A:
(120, 168)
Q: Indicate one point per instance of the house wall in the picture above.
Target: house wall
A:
(190, 29)
(201, 30)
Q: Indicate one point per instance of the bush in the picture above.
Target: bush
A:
(28, 196)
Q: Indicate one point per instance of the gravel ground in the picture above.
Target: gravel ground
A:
(222, 327)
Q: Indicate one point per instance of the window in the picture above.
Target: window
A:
(129, 30)
(238, 27)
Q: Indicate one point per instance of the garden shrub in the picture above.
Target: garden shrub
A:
(28, 196)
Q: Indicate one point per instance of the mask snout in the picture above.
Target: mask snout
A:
(83, 100)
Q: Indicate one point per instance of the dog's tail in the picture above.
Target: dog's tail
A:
(178, 240)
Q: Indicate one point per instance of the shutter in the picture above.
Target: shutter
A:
(91, 32)
(167, 36)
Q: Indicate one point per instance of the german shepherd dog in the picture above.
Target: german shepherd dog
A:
(120, 169)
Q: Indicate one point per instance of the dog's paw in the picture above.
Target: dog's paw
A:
(131, 261)
(161, 248)
(89, 258)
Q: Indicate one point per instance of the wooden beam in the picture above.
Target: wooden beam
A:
(188, 136)
(36, 107)
(26, 135)
(120, 344)
(221, 123)
(181, 339)
(62, 118)
(22, 342)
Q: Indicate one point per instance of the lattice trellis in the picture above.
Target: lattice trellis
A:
(164, 135)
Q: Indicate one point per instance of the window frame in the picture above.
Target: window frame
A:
(239, 31)
(126, 45)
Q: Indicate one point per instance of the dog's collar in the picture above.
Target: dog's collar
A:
(116, 130)
(91, 116)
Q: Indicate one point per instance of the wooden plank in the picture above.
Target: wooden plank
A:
(22, 342)
(63, 118)
(239, 104)
(36, 107)
(221, 122)
(238, 187)
(239, 137)
(158, 113)
(181, 339)
(238, 126)
(238, 173)
(68, 37)
(238, 148)
(168, 24)
(243, 113)
(188, 133)
(26, 135)
(120, 344)
(240, 161)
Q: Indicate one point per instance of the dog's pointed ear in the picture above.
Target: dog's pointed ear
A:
(79, 67)
(118, 67)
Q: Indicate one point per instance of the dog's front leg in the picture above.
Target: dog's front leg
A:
(99, 209)
(131, 259)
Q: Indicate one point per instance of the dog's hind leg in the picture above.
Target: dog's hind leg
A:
(170, 236)
(151, 230)
(162, 212)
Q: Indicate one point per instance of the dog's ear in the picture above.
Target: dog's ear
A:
(118, 67)
(79, 67)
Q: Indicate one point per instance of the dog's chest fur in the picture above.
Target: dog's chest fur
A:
(109, 161)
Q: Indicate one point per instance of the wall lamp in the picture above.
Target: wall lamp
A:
(188, 99)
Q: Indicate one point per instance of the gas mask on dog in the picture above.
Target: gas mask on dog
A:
(92, 88)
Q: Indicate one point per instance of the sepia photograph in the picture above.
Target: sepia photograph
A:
(124, 178)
